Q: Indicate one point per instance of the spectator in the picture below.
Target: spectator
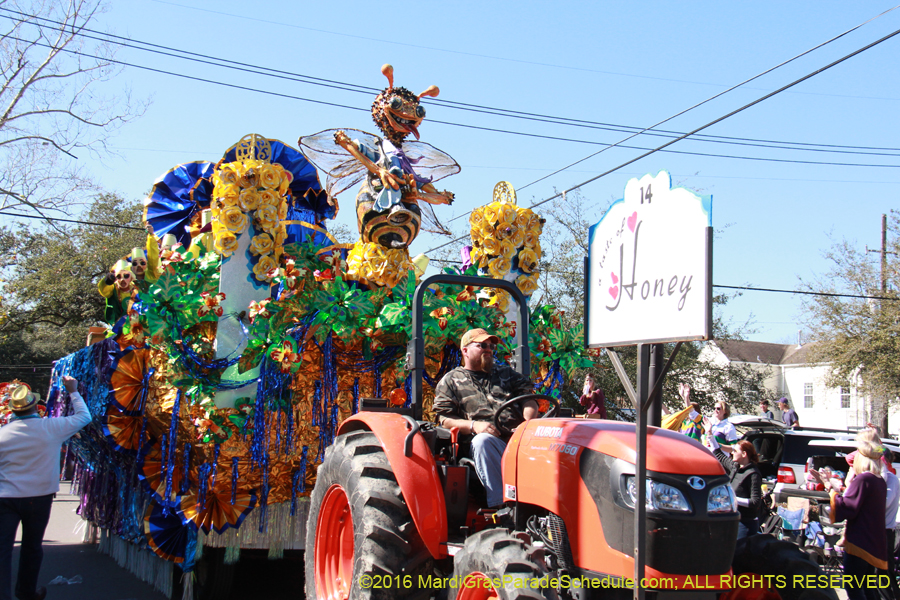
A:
(29, 477)
(721, 428)
(746, 481)
(765, 410)
(593, 399)
(863, 507)
(890, 521)
(788, 416)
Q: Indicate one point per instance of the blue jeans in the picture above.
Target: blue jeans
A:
(747, 528)
(487, 453)
(857, 567)
(33, 513)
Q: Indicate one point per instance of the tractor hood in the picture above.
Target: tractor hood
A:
(667, 451)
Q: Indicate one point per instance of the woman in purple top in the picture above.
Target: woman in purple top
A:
(593, 400)
(863, 507)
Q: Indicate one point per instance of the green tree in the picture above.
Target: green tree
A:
(859, 337)
(49, 295)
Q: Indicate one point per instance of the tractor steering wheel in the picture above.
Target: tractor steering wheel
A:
(511, 404)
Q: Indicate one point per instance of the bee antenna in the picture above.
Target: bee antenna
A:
(432, 91)
(388, 71)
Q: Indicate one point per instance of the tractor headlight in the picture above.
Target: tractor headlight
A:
(660, 496)
(721, 500)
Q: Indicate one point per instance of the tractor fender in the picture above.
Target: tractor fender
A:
(416, 474)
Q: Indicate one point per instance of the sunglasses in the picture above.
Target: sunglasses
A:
(140, 263)
(123, 276)
(484, 345)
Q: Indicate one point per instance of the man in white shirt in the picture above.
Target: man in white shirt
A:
(29, 477)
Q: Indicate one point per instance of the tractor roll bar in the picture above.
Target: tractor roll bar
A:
(415, 350)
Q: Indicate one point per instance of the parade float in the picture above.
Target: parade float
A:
(252, 334)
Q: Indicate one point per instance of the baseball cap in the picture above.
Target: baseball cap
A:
(21, 398)
(477, 335)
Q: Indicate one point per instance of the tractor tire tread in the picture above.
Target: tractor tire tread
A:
(384, 541)
(497, 553)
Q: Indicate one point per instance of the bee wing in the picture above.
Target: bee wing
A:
(428, 161)
(341, 168)
(430, 222)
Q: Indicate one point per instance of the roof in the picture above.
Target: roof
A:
(764, 352)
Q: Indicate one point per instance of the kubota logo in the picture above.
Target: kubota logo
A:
(696, 482)
(548, 432)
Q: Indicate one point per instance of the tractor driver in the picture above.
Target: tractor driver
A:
(467, 397)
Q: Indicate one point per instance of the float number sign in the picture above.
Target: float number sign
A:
(649, 270)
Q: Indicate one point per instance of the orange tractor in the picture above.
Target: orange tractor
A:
(396, 510)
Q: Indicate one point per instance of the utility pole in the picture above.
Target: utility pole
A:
(884, 252)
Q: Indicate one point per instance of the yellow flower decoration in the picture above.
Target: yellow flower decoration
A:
(226, 175)
(527, 283)
(267, 216)
(491, 213)
(534, 224)
(500, 299)
(280, 235)
(226, 189)
(476, 219)
(507, 249)
(249, 200)
(476, 254)
(528, 260)
(491, 246)
(518, 238)
(262, 244)
(537, 250)
(499, 267)
(269, 197)
(531, 238)
(522, 217)
(263, 266)
(226, 243)
(249, 175)
(269, 177)
(507, 214)
(233, 219)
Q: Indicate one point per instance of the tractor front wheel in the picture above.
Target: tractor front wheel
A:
(360, 538)
(496, 564)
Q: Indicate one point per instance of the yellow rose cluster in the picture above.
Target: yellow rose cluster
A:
(251, 192)
(377, 264)
(504, 235)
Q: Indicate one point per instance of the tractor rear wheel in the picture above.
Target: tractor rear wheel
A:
(764, 554)
(497, 556)
(360, 538)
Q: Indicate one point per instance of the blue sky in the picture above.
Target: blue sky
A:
(621, 63)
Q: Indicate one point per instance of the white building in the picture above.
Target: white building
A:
(801, 382)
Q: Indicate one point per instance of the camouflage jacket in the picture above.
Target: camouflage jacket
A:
(472, 395)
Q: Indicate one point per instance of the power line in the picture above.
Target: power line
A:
(345, 86)
(807, 293)
(736, 287)
(463, 125)
(114, 226)
(701, 128)
(711, 98)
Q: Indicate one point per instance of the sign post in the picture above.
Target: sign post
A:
(648, 281)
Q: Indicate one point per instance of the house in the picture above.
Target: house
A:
(792, 375)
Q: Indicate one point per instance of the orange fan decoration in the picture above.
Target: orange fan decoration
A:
(217, 512)
(130, 382)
